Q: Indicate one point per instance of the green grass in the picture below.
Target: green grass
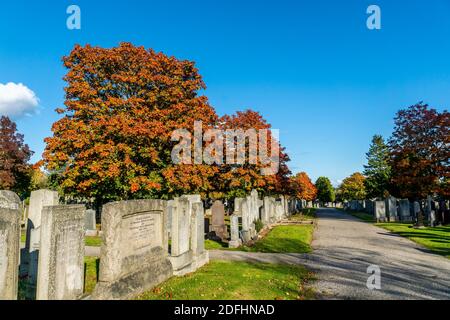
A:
(360, 215)
(91, 272)
(23, 236)
(93, 241)
(285, 239)
(305, 214)
(215, 245)
(436, 239)
(231, 280)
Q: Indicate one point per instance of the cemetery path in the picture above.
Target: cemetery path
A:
(344, 247)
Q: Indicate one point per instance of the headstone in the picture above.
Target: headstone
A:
(428, 209)
(404, 210)
(187, 228)
(90, 225)
(380, 211)
(369, 206)
(61, 255)
(268, 204)
(218, 220)
(38, 200)
(391, 209)
(9, 251)
(416, 209)
(200, 255)
(235, 241)
(180, 253)
(134, 250)
(279, 211)
(9, 200)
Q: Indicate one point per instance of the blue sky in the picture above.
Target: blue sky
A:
(312, 68)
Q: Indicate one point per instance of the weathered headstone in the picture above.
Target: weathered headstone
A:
(61, 254)
(279, 211)
(9, 248)
(90, 224)
(391, 208)
(9, 200)
(379, 208)
(200, 255)
(369, 206)
(181, 256)
(218, 220)
(38, 200)
(134, 250)
(235, 241)
(404, 210)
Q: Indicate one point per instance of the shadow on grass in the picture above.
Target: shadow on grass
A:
(436, 239)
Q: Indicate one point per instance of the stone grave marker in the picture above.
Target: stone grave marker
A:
(218, 220)
(133, 255)
(9, 246)
(61, 254)
(90, 224)
(38, 200)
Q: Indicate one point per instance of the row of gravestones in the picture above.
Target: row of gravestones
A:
(248, 210)
(135, 253)
(52, 261)
(392, 209)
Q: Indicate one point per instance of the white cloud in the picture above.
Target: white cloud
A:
(17, 100)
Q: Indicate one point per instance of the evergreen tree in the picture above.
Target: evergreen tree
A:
(377, 171)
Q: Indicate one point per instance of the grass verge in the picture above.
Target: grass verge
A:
(360, 215)
(90, 273)
(285, 239)
(231, 280)
(437, 239)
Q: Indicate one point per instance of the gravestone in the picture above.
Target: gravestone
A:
(369, 206)
(416, 209)
(235, 241)
(90, 224)
(218, 220)
(391, 209)
(379, 208)
(200, 255)
(9, 200)
(181, 255)
(9, 247)
(404, 210)
(429, 210)
(279, 211)
(38, 200)
(266, 214)
(133, 256)
(61, 254)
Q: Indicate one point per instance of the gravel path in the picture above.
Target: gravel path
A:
(344, 247)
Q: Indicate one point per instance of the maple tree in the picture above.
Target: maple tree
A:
(114, 139)
(303, 187)
(352, 188)
(15, 171)
(419, 152)
(237, 180)
(377, 171)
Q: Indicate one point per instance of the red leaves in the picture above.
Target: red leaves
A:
(420, 151)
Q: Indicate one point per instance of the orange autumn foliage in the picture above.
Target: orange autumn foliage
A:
(122, 105)
(303, 187)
